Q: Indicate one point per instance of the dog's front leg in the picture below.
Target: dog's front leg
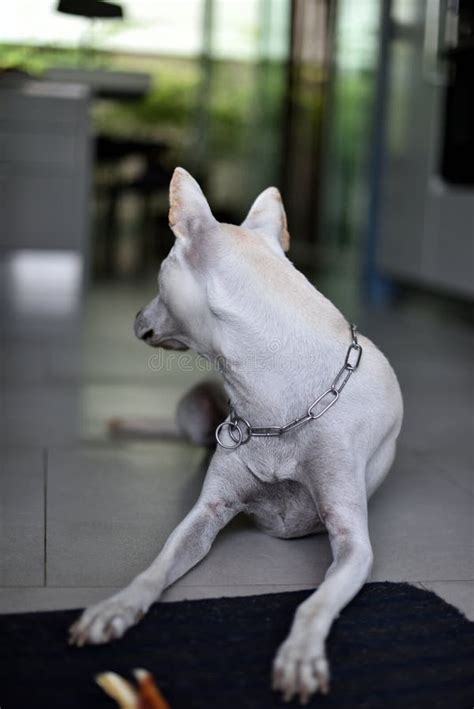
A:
(186, 546)
(300, 667)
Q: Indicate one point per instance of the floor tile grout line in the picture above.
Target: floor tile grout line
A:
(229, 585)
(446, 476)
(441, 473)
(45, 517)
(444, 581)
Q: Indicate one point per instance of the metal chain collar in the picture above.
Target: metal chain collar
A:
(240, 431)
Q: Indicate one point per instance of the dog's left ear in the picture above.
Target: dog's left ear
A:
(267, 216)
(190, 215)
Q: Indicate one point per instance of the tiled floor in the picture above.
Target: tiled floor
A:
(81, 513)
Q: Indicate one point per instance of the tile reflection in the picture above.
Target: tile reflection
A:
(44, 283)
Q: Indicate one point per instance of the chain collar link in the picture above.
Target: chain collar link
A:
(240, 431)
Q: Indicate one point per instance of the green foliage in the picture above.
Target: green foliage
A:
(168, 108)
(36, 61)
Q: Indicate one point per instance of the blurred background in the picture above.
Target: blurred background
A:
(360, 111)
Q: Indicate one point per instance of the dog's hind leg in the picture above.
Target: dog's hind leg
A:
(186, 546)
(201, 410)
(380, 463)
(300, 667)
(198, 414)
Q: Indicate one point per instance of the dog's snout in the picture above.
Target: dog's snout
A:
(137, 316)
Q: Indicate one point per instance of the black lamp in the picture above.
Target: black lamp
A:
(95, 9)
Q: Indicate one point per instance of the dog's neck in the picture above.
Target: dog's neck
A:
(269, 380)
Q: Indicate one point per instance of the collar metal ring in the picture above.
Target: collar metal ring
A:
(245, 433)
(234, 433)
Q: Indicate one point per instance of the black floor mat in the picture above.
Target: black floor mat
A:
(393, 646)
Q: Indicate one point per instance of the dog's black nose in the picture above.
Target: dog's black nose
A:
(147, 334)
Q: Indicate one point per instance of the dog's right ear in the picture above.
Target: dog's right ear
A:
(267, 216)
(190, 214)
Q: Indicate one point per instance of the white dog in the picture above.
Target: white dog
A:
(287, 355)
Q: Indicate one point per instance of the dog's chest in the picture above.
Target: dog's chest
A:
(284, 509)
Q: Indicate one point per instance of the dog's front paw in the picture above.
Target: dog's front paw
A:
(300, 668)
(105, 621)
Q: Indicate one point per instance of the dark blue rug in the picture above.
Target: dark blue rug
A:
(393, 646)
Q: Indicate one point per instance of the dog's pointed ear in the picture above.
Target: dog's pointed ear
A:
(267, 216)
(189, 212)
